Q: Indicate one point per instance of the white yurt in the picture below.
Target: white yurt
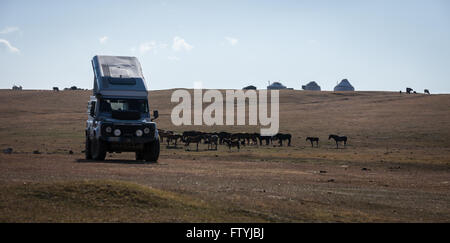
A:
(344, 85)
(311, 86)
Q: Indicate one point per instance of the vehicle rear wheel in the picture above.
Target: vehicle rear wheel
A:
(151, 151)
(98, 149)
(87, 149)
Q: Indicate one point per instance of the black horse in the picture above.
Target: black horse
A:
(223, 136)
(173, 138)
(194, 139)
(261, 138)
(232, 143)
(338, 139)
(282, 136)
(312, 140)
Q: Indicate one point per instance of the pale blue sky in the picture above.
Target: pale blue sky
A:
(377, 45)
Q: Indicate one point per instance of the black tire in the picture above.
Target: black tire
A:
(139, 155)
(87, 149)
(151, 151)
(98, 149)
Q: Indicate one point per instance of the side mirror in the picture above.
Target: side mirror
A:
(155, 115)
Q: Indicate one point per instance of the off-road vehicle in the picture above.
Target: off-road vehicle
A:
(118, 112)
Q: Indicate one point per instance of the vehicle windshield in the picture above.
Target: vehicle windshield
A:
(110, 105)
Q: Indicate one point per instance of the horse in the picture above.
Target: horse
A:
(338, 139)
(254, 138)
(268, 139)
(212, 139)
(193, 139)
(163, 134)
(281, 137)
(240, 137)
(312, 140)
(223, 135)
(174, 139)
(232, 143)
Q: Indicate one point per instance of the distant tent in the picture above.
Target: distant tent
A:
(344, 85)
(311, 86)
(276, 85)
(15, 87)
(249, 87)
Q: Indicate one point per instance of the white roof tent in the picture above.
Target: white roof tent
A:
(118, 76)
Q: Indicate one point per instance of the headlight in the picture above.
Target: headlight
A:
(108, 129)
(146, 130)
(117, 132)
(139, 132)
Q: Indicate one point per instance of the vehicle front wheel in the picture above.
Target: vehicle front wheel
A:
(151, 151)
(139, 156)
(98, 149)
(87, 149)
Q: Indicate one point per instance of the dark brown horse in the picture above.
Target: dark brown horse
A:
(312, 140)
(223, 135)
(232, 143)
(173, 138)
(211, 140)
(193, 139)
(282, 136)
(261, 138)
(338, 139)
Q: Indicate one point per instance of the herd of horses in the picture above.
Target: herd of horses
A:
(232, 140)
(411, 91)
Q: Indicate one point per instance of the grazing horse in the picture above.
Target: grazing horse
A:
(312, 140)
(193, 139)
(223, 135)
(254, 138)
(212, 140)
(232, 143)
(163, 134)
(338, 139)
(187, 134)
(240, 137)
(268, 139)
(173, 138)
(281, 137)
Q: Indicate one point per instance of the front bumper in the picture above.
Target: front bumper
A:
(126, 144)
(128, 140)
